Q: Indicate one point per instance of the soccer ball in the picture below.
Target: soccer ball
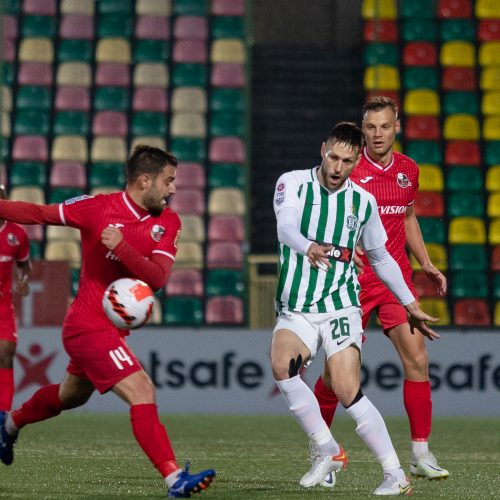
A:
(128, 303)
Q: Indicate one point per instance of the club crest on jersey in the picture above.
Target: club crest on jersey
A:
(157, 232)
(351, 222)
(12, 240)
(403, 180)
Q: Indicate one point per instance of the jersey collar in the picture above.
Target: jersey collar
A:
(138, 212)
(375, 164)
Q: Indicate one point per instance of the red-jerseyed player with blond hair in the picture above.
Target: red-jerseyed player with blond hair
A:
(14, 247)
(393, 179)
(127, 234)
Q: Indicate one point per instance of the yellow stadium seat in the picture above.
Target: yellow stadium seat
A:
(104, 190)
(189, 100)
(437, 254)
(6, 98)
(467, 230)
(461, 127)
(188, 125)
(151, 75)
(153, 7)
(491, 128)
(113, 50)
(62, 233)
(64, 250)
(74, 73)
(487, 9)
(381, 77)
(189, 255)
(493, 207)
(494, 234)
(379, 9)
(228, 201)
(5, 123)
(422, 102)
(157, 142)
(30, 194)
(493, 178)
(497, 313)
(228, 50)
(490, 78)
(397, 146)
(458, 53)
(69, 147)
(437, 308)
(489, 53)
(36, 49)
(490, 104)
(430, 178)
(84, 7)
(193, 228)
(108, 149)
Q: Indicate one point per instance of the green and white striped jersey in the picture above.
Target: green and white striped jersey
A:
(339, 218)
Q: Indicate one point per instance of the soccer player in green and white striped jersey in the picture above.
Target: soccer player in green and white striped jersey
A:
(321, 217)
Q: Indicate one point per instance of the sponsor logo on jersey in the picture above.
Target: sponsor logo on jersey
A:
(157, 232)
(77, 199)
(351, 222)
(366, 179)
(12, 240)
(342, 254)
(403, 180)
(392, 209)
(280, 193)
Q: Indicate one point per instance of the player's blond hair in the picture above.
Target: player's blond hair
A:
(379, 102)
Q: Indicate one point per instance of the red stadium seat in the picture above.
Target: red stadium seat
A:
(190, 175)
(420, 54)
(30, 147)
(472, 312)
(458, 78)
(462, 153)
(185, 282)
(228, 7)
(224, 310)
(226, 228)
(393, 94)
(495, 258)
(227, 150)
(380, 30)
(152, 28)
(68, 174)
(72, 98)
(190, 51)
(423, 285)
(227, 75)
(422, 127)
(34, 231)
(77, 27)
(35, 73)
(45, 8)
(9, 26)
(110, 123)
(488, 30)
(112, 75)
(193, 27)
(455, 9)
(188, 201)
(150, 99)
(429, 204)
(224, 254)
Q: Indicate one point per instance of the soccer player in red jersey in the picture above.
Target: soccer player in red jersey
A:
(393, 179)
(14, 247)
(127, 234)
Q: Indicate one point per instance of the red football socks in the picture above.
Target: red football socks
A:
(6, 388)
(43, 404)
(327, 401)
(418, 404)
(152, 438)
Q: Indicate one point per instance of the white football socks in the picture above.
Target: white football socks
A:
(172, 478)
(419, 448)
(305, 408)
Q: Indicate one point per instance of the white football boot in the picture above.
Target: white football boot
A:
(321, 467)
(426, 466)
(393, 485)
(330, 480)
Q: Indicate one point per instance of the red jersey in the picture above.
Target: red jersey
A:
(394, 187)
(14, 247)
(146, 233)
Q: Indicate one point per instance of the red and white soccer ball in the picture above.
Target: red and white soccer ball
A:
(128, 303)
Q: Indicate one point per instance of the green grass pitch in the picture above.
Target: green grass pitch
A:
(84, 456)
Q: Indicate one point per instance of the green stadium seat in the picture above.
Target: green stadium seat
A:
(420, 78)
(8, 73)
(425, 152)
(32, 122)
(188, 149)
(381, 53)
(151, 51)
(11, 6)
(463, 204)
(187, 311)
(468, 258)
(5, 147)
(39, 26)
(35, 250)
(224, 282)
(113, 25)
(190, 7)
(189, 75)
(222, 99)
(228, 27)
(28, 173)
(419, 30)
(464, 179)
(433, 230)
(223, 123)
(75, 50)
(496, 286)
(226, 175)
(461, 102)
(107, 175)
(111, 98)
(114, 6)
(71, 123)
(149, 123)
(59, 195)
(458, 29)
(492, 152)
(469, 284)
(411, 9)
(30, 97)
(75, 280)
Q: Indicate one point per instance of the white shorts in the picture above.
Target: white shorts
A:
(334, 331)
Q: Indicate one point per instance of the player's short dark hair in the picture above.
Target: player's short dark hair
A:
(346, 133)
(148, 160)
(379, 102)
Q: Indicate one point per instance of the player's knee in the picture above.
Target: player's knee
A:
(280, 366)
(346, 393)
(416, 365)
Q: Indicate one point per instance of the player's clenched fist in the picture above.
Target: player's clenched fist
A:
(111, 237)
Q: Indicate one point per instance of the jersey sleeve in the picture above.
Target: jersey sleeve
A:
(373, 234)
(286, 193)
(79, 212)
(23, 252)
(168, 243)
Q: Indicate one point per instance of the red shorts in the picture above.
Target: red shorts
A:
(378, 298)
(101, 356)
(8, 330)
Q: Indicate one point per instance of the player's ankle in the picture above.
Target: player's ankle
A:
(419, 447)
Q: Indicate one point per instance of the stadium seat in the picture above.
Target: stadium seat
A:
(461, 102)
(186, 311)
(115, 6)
(35, 250)
(458, 78)
(9, 51)
(156, 142)
(226, 175)
(31, 122)
(226, 228)
(224, 255)
(463, 153)
(31, 194)
(423, 285)
(419, 54)
(458, 29)
(493, 178)
(224, 310)
(189, 255)
(430, 178)
(419, 30)
(152, 28)
(28, 173)
(460, 178)
(38, 26)
(458, 53)
(85, 7)
(227, 150)
(455, 9)
(228, 7)
(466, 230)
(110, 25)
(429, 204)
(193, 27)
(494, 232)
(104, 190)
(422, 127)
(68, 174)
(489, 53)
(227, 75)
(152, 51)
(6, 98)
(188, 148)
(59, 195)
(461, 127)
(234, 27)
(223, 99)
(438, 308)
(71, 123)
(107, 174)
(190, 175)
(148, 123)
(188, 125)
(491, 128)
(493, 207)
(421, 102)
(424, 152)
(486, 9)
(72, 98)
(492, 152)
(150, 99)
(3, 174)
(223, 123)
(437, 254)
(232, 50)
(76, 26)
(34, 231)
(468, 258)
(420, 78)
(30, 148)
(226, 201)
(497, 314)
(9, 26)
(64, 250)
(112, 75)
(8, 73)
(32, 73)
(74, 73)
(189, 75)
(54, 233)
(433, 230)
(471, 313)
(490, 78)
(116, 50)
(460, 204)
(104, 149)
(185, 282)
(75, 50)
(69, 147)
(189, 100)
(150, 75)
(153, 7)
(36, 49)
(188, 201)
(190, 7)
(224, 282)
(488, 30)
(490, 104)
(111, 99)
(113, 123)
(496, 286)
(190, 51)
(193, 228)
(379, 9)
